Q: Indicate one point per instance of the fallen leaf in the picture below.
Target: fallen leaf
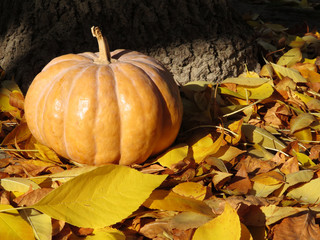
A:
(295, 178)
(100, 197)
(309, 193)
(15, 184)
(173, 155)
(191, 190)
(41, 223)
(13, 226)
(275, 213)
(246, 81)
(106, 233)
(301, 226)
(289, 72)
(170, 201)
(261, 136)
(291, 57)
(226, 226)
(303, 120)
(187, 220)
(206, 146)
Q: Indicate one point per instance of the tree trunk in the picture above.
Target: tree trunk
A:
(195, 39)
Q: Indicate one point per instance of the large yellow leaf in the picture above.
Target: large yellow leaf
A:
(206, 146)
(263, 190)
(168, 200)
(261, 92)
(13, 226)
(226, 226)
(274, 213)
(308, 193)
(247, 81)
(173, 155)
(295, 178)
(101, 197)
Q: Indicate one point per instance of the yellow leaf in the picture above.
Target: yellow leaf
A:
(297, 177)
(191, 189)
(15, 184)
(269, 178)
(101, 197)
(303, 120)
(173, 155)
(218, 177)
(274, 213)
(304, 160)
(262, 190)
(288, 72)
(291, 57)
(4, 101)
(41, 223)
(106, 233)
(308, 193)
(247, 81)
(170, 201)
(13, 226)
(206, 146)
(304, 134)
(312, 103)
(46, 154)
(227, 153)
(261, 136)
(19, 134)
(235, 127)
(226, 226)
(297, 43)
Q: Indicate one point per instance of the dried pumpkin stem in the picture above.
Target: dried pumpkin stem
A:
(104, 51)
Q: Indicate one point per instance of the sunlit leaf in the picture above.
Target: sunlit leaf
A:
(295, 178)
(168, 200)
(46, 153)
(187, 220)
(173, 155)
(13, 226)
(191, 189)
(305, 160)
(100, 197)
(289, 72)
(226, 226)
(262, 190)
(206, 146)
(247, 81)
(20, 133)
(275, 213)
(303, 120)
(308, 193)
(106, 233)
(269, 178)
(291, 57)
(303, 134)
(41, 223)
(15, 184)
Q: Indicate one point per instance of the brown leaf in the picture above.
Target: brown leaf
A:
(5, 197)
(32, 197)
(290, 166)
(315, 152)
(241, 183)
(256, 165)
(300, 226)
(80, 231)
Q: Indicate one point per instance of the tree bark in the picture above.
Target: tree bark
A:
(195, 39)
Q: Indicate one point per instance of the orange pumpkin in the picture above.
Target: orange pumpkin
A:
(98, 108)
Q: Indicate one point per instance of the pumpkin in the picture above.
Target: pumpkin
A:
(109, 107)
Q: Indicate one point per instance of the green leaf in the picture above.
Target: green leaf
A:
(101, 197)
(13, 226)
(41, 223)
(289, 72)
(309, 193)
(261, 136)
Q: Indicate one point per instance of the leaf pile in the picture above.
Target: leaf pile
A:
(245, 166)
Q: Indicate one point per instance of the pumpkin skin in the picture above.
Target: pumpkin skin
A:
(96, 113)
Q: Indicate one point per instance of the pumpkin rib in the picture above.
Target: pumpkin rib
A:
(96, 112)
(66, 107)
(43, 99)
(117, 97)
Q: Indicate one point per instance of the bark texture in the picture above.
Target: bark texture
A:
(195, 39)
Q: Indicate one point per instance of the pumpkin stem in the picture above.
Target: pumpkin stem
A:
(104, 51)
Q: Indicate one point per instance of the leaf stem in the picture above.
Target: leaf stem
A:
(104, 51)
